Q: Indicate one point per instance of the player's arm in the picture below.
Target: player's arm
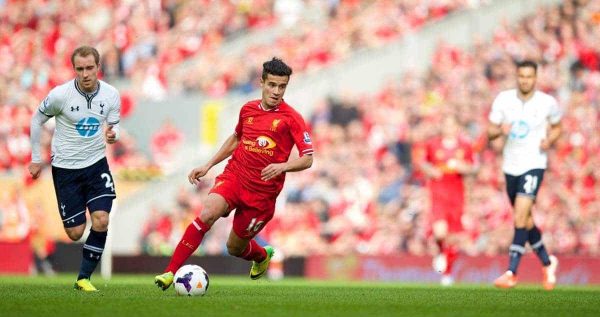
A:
(37, 122)
(430, 170)
(48, 108)
(112, 132)
(470, 166)
(296, 165)
(497, 118)
(224, 152)
(553, 135)
(497, 130)
(423, 162)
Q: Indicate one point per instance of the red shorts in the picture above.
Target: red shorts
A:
(448, 209)
(253, 210)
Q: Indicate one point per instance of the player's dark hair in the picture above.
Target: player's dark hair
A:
(84, 51)
(527, 63)
(276, 67)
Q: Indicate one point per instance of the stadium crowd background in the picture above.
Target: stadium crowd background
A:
(365, 193)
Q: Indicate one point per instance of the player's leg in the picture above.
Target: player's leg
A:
(75, 233)
(250, 250)
(440, 231)
(522, 212)
(99, 191)
(93, 248)
(247, 249)
(549, 262)
(215, 206)
(247, 223)
(509, 279)
(70, 199)
(276, 265)
(449, 235)
(70, 195)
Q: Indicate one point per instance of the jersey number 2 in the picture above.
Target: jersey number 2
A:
(531, 183)
(109, 183)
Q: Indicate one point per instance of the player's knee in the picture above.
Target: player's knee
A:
(208, 218)
(74, 236)
(440, 229)
(100, 221)
(74, 233)
(210, 214)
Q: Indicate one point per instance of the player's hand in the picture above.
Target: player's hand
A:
(272, 170)
(35, 169)
(433, 172)
(197, 173)
(111, 136)
(505, 128)
(462, 167)
(545, 145)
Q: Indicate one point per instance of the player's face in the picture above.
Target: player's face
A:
(87, 72)
(273, 88)
(526, 77)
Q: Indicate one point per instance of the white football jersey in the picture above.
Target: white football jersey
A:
(78, 139)
(529, 121)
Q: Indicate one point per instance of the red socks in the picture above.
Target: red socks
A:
(451, 256)
(254, 252)
(189, 243)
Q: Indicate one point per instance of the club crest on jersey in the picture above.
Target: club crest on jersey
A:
(307, 139)
(102, 108)
(88, 127)
(274, 124)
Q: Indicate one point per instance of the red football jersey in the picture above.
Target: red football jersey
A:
(266, 137)
(445, 158)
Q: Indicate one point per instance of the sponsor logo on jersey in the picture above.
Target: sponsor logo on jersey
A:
(265, 142)
(519, 130)
(250, 120)
(262, 145)
(88, 127)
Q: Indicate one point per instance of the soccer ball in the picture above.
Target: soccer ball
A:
(191, 280)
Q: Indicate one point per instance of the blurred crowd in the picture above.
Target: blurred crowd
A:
(365, 193)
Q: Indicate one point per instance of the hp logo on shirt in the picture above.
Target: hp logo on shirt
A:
(88, 126)
(519, 130)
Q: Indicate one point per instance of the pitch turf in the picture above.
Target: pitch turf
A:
(136, 295)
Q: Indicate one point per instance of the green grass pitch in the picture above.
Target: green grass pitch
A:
(136, 295)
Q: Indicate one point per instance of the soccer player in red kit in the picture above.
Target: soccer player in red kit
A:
(448, 158)
(265, 134)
